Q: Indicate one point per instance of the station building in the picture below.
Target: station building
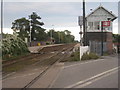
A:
(97, 20)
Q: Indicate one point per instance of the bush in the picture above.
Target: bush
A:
(47, 43)
(13, 46)
(75, 56)
(89, 56)
(85, 56)
(93, 56)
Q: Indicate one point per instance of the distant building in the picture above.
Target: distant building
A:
(93, 30)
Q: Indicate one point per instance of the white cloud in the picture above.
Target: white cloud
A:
(61, 21)
(41, 7)
(7, 30)
(115, 28)
(51, 13)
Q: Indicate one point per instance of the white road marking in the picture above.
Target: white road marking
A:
(83, 63)
(88, 83)
(91, 78)
(83, 85)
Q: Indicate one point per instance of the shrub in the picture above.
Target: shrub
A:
(47, 43)
(13, 46)
(75, 56)
(93, 56)
(85, 56)
(89, 56)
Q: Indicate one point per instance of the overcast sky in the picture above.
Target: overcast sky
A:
(63, 15)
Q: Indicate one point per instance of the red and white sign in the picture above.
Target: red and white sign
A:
(105, 23)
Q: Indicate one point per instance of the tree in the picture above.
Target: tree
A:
(61, 36)
(21, 27)
(37, 33)
(67, 32)
(54, 35)
(68, 37)
(116, 38)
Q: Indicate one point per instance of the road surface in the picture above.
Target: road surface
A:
(101, 73)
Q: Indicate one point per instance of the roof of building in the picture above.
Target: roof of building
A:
(101, 7)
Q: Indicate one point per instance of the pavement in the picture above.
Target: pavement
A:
(100, 73)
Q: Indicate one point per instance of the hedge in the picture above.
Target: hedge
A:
(13, 46)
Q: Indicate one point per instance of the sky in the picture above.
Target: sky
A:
(58, 15)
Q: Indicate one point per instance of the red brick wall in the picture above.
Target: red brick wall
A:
(96, 36)
(109, 42)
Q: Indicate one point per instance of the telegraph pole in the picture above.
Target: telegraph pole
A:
(101, 38)
(1, 18)
(84, 31)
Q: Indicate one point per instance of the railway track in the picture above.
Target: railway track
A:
(55, 59)
(45, 64)
(27, 57)
(42, 51)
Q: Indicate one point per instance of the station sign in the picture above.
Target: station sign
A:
(105, 23)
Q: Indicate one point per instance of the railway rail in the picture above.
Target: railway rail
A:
(59, 53)
(55, 59)
(35, 55)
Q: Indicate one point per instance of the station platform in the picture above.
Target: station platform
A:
(35, 49)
